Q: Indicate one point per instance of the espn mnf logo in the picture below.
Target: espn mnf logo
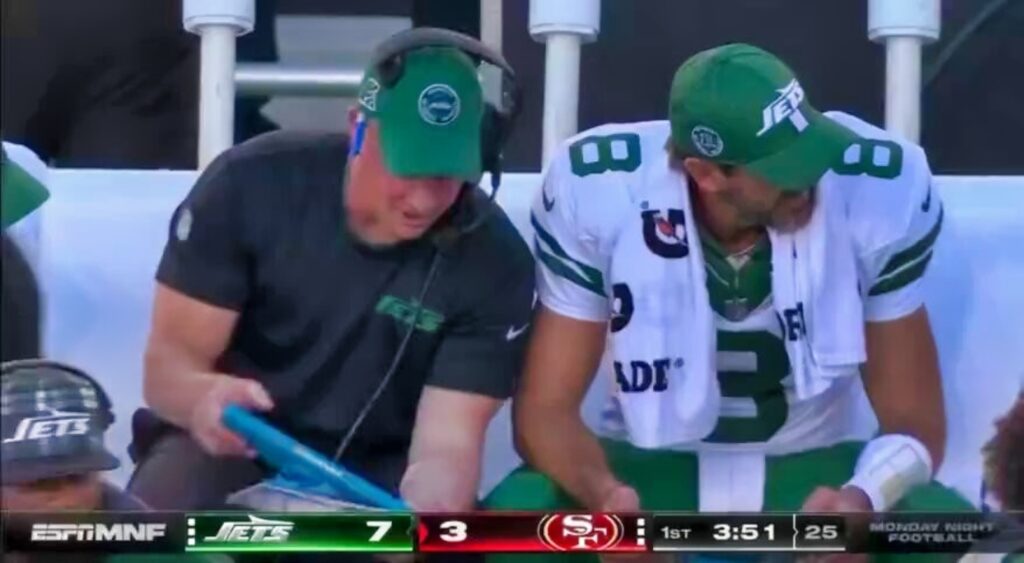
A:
(98, 532)
(255, 530)
(581, 532)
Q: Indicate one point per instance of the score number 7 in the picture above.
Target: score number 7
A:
(382, 527)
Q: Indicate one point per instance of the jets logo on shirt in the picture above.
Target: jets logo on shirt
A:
(665, 232)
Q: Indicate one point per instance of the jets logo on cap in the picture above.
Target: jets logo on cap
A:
(786, 106)
(707, 141)
(439, 104)
(54, 424)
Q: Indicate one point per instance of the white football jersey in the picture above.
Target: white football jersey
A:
(595, 187)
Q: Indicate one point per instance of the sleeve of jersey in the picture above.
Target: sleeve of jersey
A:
(204, 257)
(482, 351)
(898, 268)
(570, 266)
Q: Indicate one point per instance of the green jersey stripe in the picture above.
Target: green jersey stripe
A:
(903, 277)
(915, 252)
(556, 259)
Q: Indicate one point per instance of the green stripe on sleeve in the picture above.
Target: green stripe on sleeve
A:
(904, 257)
(556, 259)
(902, 278)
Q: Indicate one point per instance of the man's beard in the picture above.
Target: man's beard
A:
(746, 215)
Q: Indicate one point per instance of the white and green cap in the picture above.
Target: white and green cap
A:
(430, 119)
(740, 105)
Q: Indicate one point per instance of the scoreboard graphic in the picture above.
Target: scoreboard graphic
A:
(509, 532)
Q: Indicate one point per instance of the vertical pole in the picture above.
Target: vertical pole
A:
(903, 91)
(491, 35)
(216, 92)
(904, 27)
(561, 90)
(563, 25)
(218, 23)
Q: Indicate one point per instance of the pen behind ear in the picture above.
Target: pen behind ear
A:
(358, 136)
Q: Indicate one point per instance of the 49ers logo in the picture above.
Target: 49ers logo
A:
(581, 532)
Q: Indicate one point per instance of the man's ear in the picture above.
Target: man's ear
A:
(706, 174)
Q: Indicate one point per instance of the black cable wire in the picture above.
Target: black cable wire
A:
(444, 242)
(395, 361)
(969, 29)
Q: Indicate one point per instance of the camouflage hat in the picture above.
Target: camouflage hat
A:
(54, 418)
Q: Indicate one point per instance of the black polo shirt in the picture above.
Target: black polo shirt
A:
(263, 232)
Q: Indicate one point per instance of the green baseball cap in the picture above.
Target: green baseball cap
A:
(430, 119)
(20, 192)
(740, 105)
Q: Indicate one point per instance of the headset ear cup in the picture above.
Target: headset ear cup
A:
(390, 70)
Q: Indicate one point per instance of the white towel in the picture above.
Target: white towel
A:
(672, 328)
(815, 291)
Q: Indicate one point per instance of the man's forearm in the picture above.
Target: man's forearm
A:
(173, 384)
(443, 480)
(903, 381)
(560, 445)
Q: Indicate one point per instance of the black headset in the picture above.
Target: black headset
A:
(105, 413)
(388, 63)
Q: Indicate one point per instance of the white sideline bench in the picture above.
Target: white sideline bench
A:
(102, 232)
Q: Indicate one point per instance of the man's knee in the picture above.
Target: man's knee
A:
(176, 474)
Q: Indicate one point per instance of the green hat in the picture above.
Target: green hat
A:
(21, 192)
(740, 105)
(430, 119)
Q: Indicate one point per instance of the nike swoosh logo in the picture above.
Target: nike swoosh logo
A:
(549, 204)
(927, 201)
(514, 332)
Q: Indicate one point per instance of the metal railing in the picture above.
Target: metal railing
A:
(564, 26)
(275, 79)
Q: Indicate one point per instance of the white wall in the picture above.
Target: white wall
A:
(102, 234)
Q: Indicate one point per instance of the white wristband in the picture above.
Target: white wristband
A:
(889, 466)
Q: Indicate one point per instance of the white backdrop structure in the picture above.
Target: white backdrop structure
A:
(102, 233)
(564, 26)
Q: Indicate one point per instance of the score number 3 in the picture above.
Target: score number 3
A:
(455, 531)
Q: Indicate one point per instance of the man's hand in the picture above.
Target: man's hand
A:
(205, 421)
(620, 498)
(848, 500)
(435, 485)
(623, 498)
